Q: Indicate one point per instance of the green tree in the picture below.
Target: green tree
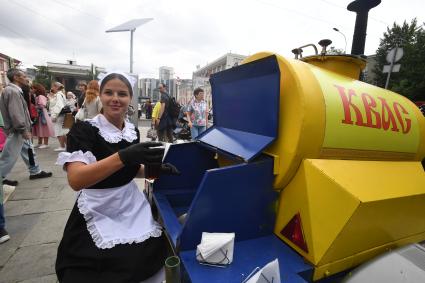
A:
(410, 81)
(94, 72)
(43, 76)
(335, 51)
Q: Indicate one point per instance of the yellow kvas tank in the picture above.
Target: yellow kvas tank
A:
(346, 163)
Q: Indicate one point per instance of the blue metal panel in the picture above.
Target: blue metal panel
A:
(192, 160)
(247, 256)
(232, 199)
(242, 144)
(245, 100)
(168, 216)
(174, 194)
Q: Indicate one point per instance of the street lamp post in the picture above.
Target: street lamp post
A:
(345, 39)
(131, 27)
(131, 50)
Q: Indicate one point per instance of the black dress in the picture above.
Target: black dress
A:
(79, 259)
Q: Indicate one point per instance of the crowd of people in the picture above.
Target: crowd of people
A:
(47, 109)
(30, 116)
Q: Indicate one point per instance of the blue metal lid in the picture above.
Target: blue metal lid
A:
(246, 108)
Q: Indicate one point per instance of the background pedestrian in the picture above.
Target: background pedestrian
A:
(43, 127)
(57, 102)
(165, 123)
(17, 125)
(197, 113)
(92, 104)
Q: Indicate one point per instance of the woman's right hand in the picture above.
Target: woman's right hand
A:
(142, 153)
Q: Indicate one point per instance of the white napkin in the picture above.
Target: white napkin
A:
(269, 273)
(216, 248)
(166, 148)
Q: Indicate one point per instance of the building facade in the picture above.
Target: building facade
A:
(147, 88)
(166, 73)
(176, 87)
(184, 91)
(71, 73)
(368, 74)
(6, 62)
(201, 76)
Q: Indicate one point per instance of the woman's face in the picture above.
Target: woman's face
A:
(53, 88)
(82, 88)
(200, 96)
(115, 98)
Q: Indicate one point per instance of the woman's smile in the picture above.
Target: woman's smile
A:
(115, 107)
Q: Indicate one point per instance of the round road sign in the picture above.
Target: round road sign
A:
(390, 55)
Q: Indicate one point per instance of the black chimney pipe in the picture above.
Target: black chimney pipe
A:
(361, 7)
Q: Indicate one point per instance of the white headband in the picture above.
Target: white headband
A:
(130, 79)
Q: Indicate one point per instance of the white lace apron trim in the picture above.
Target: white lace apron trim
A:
(112, 134)
(119, 215)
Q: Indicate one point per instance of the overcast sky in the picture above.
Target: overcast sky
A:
(183, 33)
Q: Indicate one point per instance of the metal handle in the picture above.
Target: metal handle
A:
(299, 51)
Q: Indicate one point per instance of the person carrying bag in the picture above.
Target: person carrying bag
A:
(58, 108)
(81, 113)
(92, 105)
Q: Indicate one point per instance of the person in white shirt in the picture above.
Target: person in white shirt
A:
(57, 102)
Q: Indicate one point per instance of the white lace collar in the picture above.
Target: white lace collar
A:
(112, 134)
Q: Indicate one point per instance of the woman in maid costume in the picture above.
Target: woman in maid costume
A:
(110, 235)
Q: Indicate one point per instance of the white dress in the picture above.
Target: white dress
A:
(56, 103)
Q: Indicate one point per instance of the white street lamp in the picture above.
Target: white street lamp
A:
(131, 27)
(345, 39)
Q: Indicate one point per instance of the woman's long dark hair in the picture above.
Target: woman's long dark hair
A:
(27, 95)
(38, 89)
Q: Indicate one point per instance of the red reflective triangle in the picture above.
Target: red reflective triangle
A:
(293, 231)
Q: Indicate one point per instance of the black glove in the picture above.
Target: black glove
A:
(169, 169)
(141, 153)
(153, 171)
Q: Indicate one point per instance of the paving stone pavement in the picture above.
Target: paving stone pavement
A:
(36, 214)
